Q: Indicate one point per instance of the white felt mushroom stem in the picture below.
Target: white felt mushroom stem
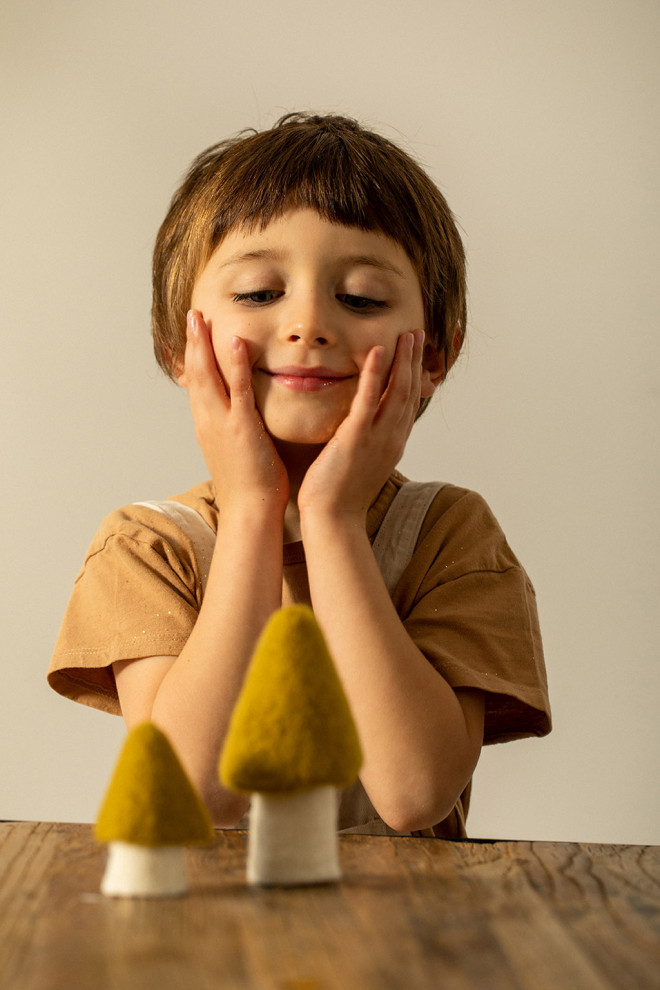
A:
(293, 838)
(144, 871)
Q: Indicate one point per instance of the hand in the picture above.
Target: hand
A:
(238, 451)
(355, 464)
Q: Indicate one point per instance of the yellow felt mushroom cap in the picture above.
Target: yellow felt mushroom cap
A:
(150, 801)
(291, 729)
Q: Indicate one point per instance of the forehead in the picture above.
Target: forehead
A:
(304, 234)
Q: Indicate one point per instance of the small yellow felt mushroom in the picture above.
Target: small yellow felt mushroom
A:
(149, 813)
(291, 743)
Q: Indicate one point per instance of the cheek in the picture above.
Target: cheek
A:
(224, 327)
(378, 336)
(388, 341)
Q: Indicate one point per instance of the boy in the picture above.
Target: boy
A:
(309, 293)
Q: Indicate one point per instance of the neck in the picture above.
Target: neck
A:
(297, 459)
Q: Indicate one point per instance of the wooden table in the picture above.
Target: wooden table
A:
(409, 913)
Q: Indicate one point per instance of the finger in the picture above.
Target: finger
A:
(417, 355)
(370, 386)
(417, 369)
(397, 396)
(240, 381)
(202, 376)
(201, 363)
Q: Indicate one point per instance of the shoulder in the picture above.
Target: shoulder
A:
(137, 595)
(201, 498)
(461, 526)
(154, 519)
(162, 532)
(450, 521)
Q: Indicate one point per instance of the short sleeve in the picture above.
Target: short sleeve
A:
(137, 595)
(471, 609)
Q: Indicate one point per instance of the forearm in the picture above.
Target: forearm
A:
(419, 752)
(196, 697)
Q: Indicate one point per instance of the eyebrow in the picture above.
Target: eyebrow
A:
(373, 261)
(236, 259)
(270, 254)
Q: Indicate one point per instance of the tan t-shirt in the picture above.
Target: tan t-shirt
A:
(464, 599)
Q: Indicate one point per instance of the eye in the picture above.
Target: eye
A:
(361, 303)
(260, 297)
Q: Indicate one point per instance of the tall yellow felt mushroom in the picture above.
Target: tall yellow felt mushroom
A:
(149, 813)
(291, 743)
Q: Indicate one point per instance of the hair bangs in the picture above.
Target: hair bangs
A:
(341, 183)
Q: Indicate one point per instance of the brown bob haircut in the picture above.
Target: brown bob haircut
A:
(348, 174)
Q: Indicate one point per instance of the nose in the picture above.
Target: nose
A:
(307, 321)
(307, 337)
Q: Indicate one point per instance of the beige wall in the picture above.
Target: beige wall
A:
(539, 122)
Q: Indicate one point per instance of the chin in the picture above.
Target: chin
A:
(304, 431)
(309, 436)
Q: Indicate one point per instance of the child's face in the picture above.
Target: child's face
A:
(310, 298)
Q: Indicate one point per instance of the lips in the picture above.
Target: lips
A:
(307, 379)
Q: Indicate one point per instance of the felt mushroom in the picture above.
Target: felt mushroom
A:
(149, 813)
(291, 744)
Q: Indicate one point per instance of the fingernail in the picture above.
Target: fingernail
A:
(419, 336)
(235, 343)
(190, 323)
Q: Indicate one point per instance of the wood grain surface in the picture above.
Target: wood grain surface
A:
(410, 913)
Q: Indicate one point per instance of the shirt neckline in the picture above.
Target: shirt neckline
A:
(294, 553)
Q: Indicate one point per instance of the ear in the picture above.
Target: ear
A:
(437, 364)
(434, 369)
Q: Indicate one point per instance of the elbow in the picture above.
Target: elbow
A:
(225, 807)
(419, 807)
(413, 817)
(428, 796)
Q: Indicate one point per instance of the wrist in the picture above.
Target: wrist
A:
(335, 523)
(255, 515)
(237, 492)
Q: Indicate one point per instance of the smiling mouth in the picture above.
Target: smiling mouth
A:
(307, 379)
